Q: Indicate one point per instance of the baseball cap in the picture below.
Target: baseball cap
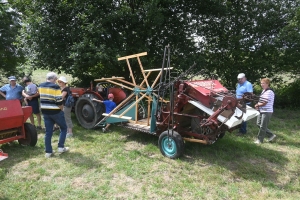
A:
(110, 95)
(241, 75)
(63, 79)
(12, 78)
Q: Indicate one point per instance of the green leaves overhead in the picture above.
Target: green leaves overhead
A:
(10, 54)
(84, 38)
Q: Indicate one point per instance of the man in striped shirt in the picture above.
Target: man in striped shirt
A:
(265, 107)
(51, 107)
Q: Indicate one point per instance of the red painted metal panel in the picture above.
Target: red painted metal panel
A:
(11, 114)
(201, 90)
(27, 111)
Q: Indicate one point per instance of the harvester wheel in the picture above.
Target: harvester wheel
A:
(222, 134)
(171, 145)
(30, 134)
(88, 112)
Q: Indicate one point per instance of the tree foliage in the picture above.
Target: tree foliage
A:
(84, 38)
(242, 38)
(10, 54)
(289, 42)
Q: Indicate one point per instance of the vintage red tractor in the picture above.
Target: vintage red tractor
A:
(88, 112)
(176, 109)
(13, 125)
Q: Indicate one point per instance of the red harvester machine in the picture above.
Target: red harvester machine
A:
(13, 124)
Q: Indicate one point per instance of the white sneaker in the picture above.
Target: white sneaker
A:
(62, 150)
(257, 142)
(48, 155)
(103, 130)
(272, 138)
(69, 135)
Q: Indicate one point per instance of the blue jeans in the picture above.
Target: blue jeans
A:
(243, 128)
(50, 120)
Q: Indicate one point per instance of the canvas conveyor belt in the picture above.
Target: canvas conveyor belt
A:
(136, 127)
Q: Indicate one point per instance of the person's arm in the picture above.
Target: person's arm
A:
(2, 94)
(58, 98)
(24, 94)
(64, 94)
(249, 88)
(262, 102)
(97, 100)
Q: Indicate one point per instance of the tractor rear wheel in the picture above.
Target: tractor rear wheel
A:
(171, 145)
(30, 135)
(88, 112)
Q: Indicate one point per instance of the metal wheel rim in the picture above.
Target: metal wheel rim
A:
(169, 146)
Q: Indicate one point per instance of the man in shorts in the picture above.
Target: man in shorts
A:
(31, 98)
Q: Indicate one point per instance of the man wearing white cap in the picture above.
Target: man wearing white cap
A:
(243, 86)
(13, 90)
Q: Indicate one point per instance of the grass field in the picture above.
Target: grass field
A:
(124, 164)
(39, 76)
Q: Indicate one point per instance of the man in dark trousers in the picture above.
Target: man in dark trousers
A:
(243, 86)
(52, 110)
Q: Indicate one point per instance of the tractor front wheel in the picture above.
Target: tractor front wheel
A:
(171, 144)
(30, 135)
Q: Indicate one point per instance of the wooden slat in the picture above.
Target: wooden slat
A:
(159, 69)
(195, 140)
(138, 122)
(112, 78)
(133, 56)
(143, 73)
(117, 116)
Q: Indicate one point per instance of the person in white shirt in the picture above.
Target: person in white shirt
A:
(265, 107)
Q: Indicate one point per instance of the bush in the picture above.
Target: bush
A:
(288, 96)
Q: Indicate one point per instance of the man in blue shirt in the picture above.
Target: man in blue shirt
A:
(242, 87)
(12, 90)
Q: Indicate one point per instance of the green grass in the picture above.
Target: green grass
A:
(124, 164)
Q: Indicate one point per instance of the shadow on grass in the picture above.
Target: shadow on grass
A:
(16, 154)
(243, 158)
(78, 159)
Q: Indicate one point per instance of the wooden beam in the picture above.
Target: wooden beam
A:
(159, 69)
(112, 78)
(131, 74)
(132, 56)
(117, 116)
(195, 140)
(119, 84)
(142, 70)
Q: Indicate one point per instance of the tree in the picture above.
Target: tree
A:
(289, 41)
(84, 38)
(242, 38)
(10, 54)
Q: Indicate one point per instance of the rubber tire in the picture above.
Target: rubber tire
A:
(30, 134)
(177, 145)
(93, 112)
(222, 135)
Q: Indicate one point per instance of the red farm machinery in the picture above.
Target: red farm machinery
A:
(176, 109)
(13, 125)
